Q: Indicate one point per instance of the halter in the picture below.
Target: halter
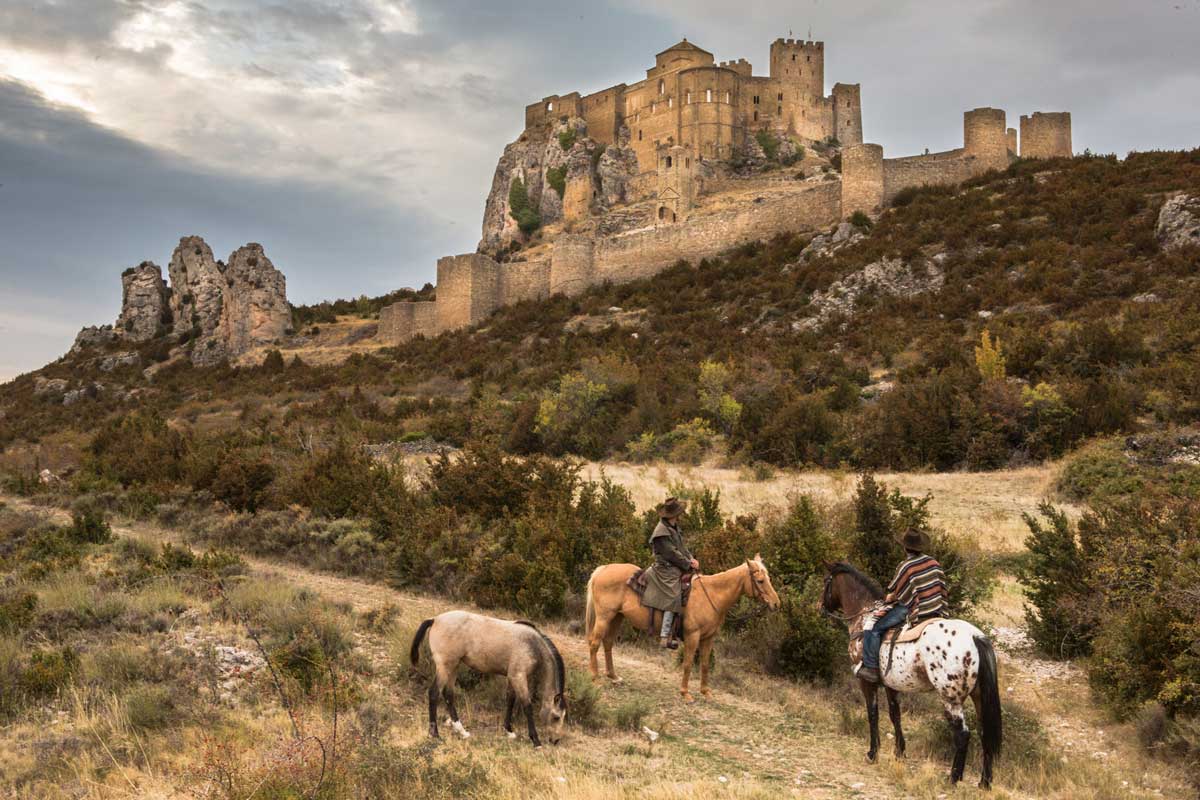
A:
(755, 592)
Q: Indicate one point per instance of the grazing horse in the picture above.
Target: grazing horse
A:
(950, 656)
(610, 601)
(535, 671)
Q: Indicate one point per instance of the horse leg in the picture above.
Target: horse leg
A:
(595, 637)
(445, 676)
(691, 641)
(871, 697)
(706, 646)
(962, 737)
(610, 638)
(519, 687)
(893, 699)
(533, 734)
(508, 714)
(433, 699)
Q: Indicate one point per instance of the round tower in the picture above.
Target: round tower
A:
(847, 113)
(862, 179)
(985, 136)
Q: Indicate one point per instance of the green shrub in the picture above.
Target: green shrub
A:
(48, 672)
(566, 138)
(769, 143)
(17, 610)
(1100, 469)
(859, 219)
(1054, 580)
(527, 217)
(149, 707)
(557, 178)
(89, 527)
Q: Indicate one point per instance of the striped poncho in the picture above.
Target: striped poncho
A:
(921, 585)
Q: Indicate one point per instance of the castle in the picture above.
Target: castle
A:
(695, 159)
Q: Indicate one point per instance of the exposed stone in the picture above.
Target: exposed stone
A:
(145, 310)
(197, 288)
(1146, 297)
(591, 323)
(1179, 222)
(826, 244)
(46, 386)
(89, 392)
(615, 171)
(255, 309)
(116, 360)
(889, 276)
(93, 336)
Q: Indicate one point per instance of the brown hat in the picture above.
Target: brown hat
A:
(914, 539)
(673, 507)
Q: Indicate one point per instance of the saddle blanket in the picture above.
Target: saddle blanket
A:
(638, 580)
(903, 633)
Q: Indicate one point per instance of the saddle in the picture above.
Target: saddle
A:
(638, 581)
(907, 633)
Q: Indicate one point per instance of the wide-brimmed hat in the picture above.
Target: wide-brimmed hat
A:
(914, 539)
(673, 507)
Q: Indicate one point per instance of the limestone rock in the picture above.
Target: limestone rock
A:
(1179, 222)
(116, 360)
(255, 310)
(197, 288)
(93, 336)
(49, 386)
(145, 307)
(521, 160)
(888, 276)
(617, 168)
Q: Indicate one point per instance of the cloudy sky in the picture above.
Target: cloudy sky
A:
(355, 139)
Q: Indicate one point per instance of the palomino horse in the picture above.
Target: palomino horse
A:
(610, 601)
(535, 671)
(951, 657)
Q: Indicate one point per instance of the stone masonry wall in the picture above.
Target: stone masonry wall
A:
(1046, 135)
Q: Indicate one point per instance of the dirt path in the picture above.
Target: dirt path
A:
(756, 731)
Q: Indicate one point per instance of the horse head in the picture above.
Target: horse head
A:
(760, 582)
(847, 591)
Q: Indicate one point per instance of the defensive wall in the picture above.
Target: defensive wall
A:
(471, 287)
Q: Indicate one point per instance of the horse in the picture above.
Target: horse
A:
(518, 650)
(950, 656)
(610, 601)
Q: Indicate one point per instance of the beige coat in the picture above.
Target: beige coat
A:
(663, 579)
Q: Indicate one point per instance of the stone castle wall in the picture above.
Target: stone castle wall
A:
(1046, 135)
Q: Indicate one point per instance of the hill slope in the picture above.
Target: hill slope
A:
(860, 352)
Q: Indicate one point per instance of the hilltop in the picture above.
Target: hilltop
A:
(858, 346)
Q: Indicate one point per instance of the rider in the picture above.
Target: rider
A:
(672, 560)
(918, 592)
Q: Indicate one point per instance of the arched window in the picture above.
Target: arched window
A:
(670, 102)
(550, 106)
(688, 96)
(726, 97)
(668, 162)
(662, 86)
(662, 212)
(708, 95)
(756, 116)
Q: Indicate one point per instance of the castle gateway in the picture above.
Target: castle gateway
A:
(697, 158)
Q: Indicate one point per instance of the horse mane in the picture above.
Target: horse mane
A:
(560, 670)
(864, 580)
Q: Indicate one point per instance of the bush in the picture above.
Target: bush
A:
(149, 707)
(1100, 469)
(557, 178)
(1054, 577)
(89, 527)
(528, 219)
(566, 139)
(859, 219)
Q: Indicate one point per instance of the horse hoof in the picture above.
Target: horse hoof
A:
(871, 758)
(707, 693)
(510, 734)
(460, 730)
(615, 680)
(985, 785)
(687, 697)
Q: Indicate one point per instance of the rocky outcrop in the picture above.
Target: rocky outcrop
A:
(531, 159)
(145, 309)
(888, 276)
(255, 309)
(615, 171)
(1179, 222)
(211, 311)
(197, 288)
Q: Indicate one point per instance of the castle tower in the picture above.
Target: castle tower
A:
(800, 65)
(847, 113)
(1012, 141)
(985, 136)
(677, 179)
(862, 179)
(1046, 135)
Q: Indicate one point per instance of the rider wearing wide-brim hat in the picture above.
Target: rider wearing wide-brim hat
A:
(917, 592)
(672, 560)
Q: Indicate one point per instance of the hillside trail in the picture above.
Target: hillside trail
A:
(755, 728)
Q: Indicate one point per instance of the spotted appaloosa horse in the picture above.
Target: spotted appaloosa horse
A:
(951, 657)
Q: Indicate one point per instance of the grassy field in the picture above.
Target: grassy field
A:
(226, 734)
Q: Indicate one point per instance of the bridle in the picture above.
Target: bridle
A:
(755, 590)
(843, 618)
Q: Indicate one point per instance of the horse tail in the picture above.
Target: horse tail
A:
(589, 607)
(414, 653)
(989, 698)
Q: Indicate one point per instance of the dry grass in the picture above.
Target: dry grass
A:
(983, 506)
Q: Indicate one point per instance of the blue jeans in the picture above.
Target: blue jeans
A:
(873, 637)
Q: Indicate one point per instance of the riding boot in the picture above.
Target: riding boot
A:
(868, 674)
(665, 638)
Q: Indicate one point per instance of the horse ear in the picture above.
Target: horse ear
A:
(758, 557)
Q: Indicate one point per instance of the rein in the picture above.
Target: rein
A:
(706, 595)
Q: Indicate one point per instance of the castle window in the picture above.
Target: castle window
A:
(549, 106)
(670, 102)
(793, 56)
(662, 87)
(755, 99)
(781, 97)
(780, 111)
(727, 97)
(708, 95)
(687, 162)
(756, 116)
(662, 212)
(639, 134)
(808, 59)
(668, 162)
(689, 96)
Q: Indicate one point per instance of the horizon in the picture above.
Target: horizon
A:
(361, 137)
